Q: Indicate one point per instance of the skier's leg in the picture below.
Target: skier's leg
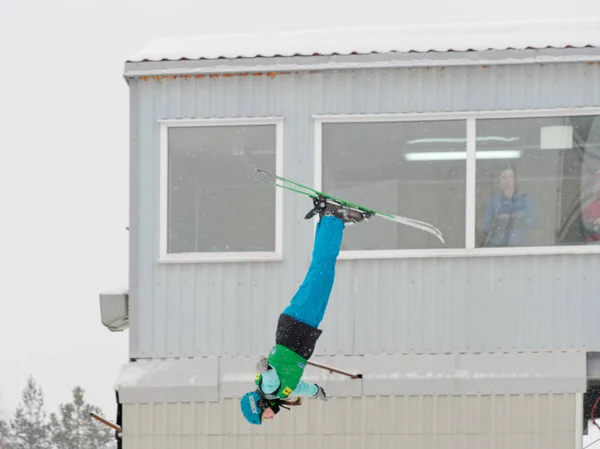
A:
(310, 301)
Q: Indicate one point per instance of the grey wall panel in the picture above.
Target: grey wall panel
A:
(468, 305)
(378, 306)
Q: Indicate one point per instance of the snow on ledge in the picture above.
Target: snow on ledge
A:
(168, 373)
(417, 38)
(170, 380)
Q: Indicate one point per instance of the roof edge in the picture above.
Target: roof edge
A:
(476, 36)
(368, 61)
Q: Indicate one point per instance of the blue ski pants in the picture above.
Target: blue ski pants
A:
(310, 301)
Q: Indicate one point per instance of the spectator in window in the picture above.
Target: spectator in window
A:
(508, 214)
(591, 216)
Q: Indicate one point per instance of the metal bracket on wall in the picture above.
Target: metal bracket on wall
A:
(593, 368)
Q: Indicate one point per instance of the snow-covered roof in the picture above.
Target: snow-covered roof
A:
(204, 379)
(577, 33)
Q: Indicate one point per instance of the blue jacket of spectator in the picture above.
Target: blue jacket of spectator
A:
(514, 230)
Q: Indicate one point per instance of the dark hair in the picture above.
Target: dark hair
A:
(292, 402)
(276, 403)
(509, 167)
(287, 402)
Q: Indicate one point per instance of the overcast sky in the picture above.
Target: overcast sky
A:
(64, 169)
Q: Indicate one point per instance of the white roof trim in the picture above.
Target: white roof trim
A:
(212, 379)
(458, 374)
(418, 38)
(172, 380)
(354, 62)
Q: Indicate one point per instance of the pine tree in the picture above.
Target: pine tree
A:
(30, 427)
(4, 442)
(73, 428)
(4, 435)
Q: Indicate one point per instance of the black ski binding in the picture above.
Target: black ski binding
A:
(320, 204)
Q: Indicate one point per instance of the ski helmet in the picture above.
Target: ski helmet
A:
(250, 408)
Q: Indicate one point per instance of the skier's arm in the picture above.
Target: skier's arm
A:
(270, 381)
(305, 389)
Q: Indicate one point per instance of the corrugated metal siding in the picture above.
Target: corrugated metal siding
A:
(377, 306)
(466, 422)
(466, 305)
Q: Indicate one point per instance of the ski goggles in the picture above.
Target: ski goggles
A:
(264, 404)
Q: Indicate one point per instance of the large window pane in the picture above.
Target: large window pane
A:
(414, 169)
(539, 189)
(214, 204)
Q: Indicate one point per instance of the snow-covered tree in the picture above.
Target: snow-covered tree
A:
(73, 428)
(4, 436)
(29, 429)
(3, 428)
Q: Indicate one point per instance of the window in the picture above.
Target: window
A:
(455, 170)
(413, 169)
(539, 194)
(212, 206)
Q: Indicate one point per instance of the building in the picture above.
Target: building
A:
(481, 341)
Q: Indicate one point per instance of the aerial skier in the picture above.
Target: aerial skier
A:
(280, 374)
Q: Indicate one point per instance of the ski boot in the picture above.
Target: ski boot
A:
(323, 206)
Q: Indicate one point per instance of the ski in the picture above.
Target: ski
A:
(293, 186)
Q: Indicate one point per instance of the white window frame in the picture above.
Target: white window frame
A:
(212, 257)
(470, 118)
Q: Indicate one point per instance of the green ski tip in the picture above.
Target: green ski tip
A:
(302, 189)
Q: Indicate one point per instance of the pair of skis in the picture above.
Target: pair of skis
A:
(288, 184)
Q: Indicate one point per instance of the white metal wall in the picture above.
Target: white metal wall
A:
(381, 306)
(531, 421)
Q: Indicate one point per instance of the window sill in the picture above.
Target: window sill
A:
(221, 257)
(461, 252)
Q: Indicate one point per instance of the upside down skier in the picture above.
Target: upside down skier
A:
(279, 375)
